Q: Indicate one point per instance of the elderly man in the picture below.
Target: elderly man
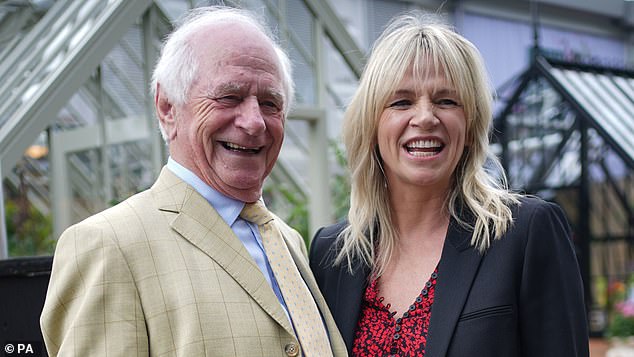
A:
(196, 266)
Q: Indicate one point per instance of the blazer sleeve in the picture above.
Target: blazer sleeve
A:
(92, 307)
(552, 310)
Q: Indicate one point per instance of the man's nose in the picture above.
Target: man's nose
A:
(250, 117)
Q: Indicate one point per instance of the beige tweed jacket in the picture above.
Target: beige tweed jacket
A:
(161, 274)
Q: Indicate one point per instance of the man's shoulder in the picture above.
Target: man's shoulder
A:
(135, 204)
(125, 216)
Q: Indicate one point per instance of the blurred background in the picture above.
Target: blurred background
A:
(78, 132)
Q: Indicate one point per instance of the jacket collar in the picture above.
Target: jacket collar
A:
(458, 265)
(456, 271)
(350, 288)
(198, 222)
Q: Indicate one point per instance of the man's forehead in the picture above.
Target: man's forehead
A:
(249, 53)
(225, 36)
(237, 55)
(250, 57)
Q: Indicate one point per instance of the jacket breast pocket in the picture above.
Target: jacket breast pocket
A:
(492, 311)
(490, 331)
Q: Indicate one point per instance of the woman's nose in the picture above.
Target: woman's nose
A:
(424, 115)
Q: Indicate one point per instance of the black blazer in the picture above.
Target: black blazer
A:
(523, 297)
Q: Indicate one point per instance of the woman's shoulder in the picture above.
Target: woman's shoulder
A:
(539, 217)
(323, 243)
(529, 206)
(332, 231)
(326, 237)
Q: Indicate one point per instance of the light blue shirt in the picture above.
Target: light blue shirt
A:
(229, 210)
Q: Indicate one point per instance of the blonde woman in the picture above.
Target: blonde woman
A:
(438, 257)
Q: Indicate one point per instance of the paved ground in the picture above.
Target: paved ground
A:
(598, 347)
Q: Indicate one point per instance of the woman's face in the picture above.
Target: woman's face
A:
(421, 133)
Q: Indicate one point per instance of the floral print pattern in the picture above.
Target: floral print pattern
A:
(379, 334)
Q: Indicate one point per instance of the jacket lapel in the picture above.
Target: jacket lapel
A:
(350, 288)
(458, 266)
(199, 223)
(344, 290)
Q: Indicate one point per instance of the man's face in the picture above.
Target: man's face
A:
(230, 130)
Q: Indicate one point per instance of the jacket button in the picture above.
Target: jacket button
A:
(291, 349)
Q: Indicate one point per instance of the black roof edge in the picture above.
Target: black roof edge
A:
(587, 67)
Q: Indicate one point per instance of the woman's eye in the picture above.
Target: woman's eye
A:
(447, 103)
(401, 103)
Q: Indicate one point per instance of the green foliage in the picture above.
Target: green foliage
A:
(620, 303)
(297, 217)
(621, 326)
(29, 232)
(295, 205)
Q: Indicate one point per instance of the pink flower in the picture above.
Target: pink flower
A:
(626, 308)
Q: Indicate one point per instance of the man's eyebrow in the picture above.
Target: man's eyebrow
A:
(234, 87)
(224, 88)
(273, 93)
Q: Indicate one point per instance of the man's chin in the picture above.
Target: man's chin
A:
(245, 195)
(242, 191)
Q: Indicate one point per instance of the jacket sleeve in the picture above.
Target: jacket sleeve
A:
(92, 307)
(552, 310)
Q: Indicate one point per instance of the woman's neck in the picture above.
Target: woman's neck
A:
(421, 214)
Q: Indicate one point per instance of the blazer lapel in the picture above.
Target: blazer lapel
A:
(199, 223)
(456, 271)
(344, 290)
(350, 288)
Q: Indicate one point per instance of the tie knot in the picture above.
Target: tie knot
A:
(256, 212)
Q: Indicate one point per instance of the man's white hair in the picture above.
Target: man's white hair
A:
(177, 66)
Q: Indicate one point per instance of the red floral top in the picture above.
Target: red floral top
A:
(379, 334)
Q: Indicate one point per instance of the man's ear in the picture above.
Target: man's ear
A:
(166, 113)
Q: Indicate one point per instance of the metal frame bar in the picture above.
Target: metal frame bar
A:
(94, 47)
(547, 163)
(525, 79)
(617, 191)
(337, 32)
(32, 117)
(89, 137)
(583, 122)
(544, 69)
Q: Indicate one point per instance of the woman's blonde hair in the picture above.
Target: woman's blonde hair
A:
(420, 42)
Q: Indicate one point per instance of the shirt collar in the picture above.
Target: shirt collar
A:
(227, 207)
